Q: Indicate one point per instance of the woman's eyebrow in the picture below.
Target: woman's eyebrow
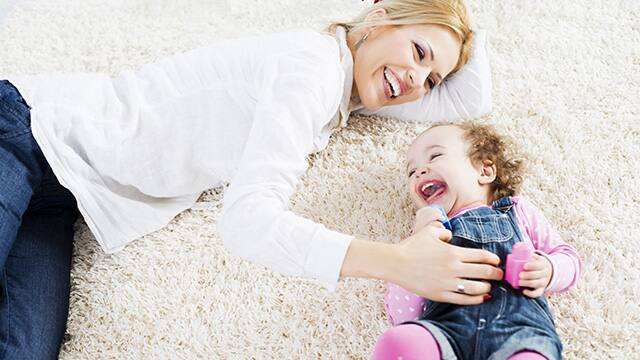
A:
(430, 48)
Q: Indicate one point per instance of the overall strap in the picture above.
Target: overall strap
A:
(503, 204)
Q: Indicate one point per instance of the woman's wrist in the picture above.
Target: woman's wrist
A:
(370, 259)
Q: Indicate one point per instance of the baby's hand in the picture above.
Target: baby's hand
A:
(427, 216)
(536, 275)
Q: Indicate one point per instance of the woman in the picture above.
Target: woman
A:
(135, 150)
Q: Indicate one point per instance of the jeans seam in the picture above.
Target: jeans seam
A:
(3, 351)
(14, 134)
(8, 107)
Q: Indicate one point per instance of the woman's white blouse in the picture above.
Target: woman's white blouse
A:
(139, 148)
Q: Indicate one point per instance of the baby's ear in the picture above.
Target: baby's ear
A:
(487, 172)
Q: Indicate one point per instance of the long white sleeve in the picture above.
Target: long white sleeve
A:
(297, 101)
(465, 95)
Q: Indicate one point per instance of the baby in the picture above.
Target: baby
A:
(466, 169)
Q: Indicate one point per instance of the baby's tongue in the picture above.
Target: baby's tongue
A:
(434, 190)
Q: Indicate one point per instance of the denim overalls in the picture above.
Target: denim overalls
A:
(510, 322)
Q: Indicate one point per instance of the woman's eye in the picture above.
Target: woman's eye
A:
(432, 83)
(434, 156)
(411, 172)
(420, 51)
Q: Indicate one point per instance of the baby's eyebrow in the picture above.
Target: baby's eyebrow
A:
(425, 150)
(433, 146)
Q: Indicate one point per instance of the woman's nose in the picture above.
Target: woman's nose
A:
(418, 77)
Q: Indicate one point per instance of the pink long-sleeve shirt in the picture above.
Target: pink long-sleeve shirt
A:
(403, 305)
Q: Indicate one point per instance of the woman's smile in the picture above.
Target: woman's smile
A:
(393, 86)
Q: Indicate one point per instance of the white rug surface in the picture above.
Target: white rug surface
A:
(566, 85)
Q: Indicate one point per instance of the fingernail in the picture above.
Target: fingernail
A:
(499, 261)
(486, 298)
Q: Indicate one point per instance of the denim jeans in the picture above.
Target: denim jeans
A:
(510, 322)
(37, 216)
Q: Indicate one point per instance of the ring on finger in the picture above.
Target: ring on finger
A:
(460, 288)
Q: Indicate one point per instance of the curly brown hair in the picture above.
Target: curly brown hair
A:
(486, 144)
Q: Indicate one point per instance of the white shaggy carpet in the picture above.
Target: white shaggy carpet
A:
(566, 85)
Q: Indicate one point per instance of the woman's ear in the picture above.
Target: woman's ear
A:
(487, 172)
(376, 14)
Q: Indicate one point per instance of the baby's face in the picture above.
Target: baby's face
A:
(440, 172)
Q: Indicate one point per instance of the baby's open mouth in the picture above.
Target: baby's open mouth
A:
(431, 190)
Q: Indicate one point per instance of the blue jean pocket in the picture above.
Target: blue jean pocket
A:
(485, 229)
(543, 309)
(15, 115)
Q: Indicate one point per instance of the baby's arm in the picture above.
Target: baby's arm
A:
(402, 305)
(563, 257)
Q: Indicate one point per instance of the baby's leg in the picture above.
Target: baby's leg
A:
(406, 342)
(527, 355)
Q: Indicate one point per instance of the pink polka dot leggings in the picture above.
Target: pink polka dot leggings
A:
(413, 342)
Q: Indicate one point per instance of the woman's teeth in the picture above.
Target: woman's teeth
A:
(393, 82)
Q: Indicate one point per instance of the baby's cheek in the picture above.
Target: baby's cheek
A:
(415, 199)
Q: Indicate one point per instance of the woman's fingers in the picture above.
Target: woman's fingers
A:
(478, 256)
(471, 287)
(427, 216)
(442, 233)
(479, 271)
(438, 232)
(462, 299)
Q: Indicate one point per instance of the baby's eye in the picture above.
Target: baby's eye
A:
(411, 172)
(435, 156)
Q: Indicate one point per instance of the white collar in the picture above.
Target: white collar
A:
(346, 59)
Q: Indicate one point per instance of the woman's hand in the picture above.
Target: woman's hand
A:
(430, 267)
(427, 216)
(536, 276)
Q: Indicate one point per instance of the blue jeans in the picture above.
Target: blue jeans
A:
(511, 322)
(37, 216)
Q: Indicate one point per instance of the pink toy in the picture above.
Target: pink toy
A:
(520, 254)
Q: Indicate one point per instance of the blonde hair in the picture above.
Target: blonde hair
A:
(452, 14)
(485, 143)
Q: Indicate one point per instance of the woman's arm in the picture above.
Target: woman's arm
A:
(296, 93)
(425, 264)
(463, 95)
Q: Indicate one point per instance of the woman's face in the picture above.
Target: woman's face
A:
(401, 63)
